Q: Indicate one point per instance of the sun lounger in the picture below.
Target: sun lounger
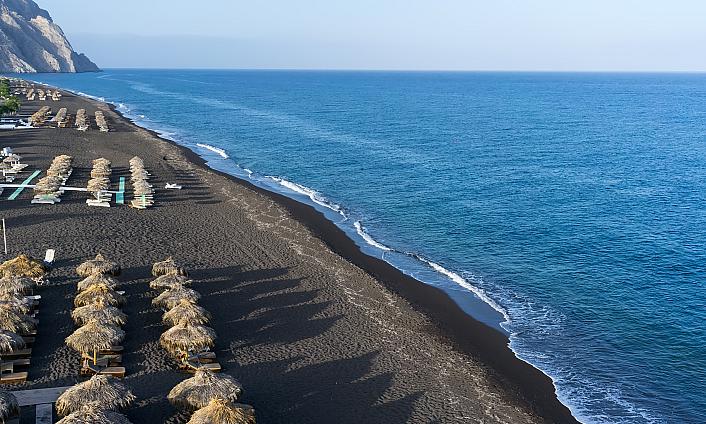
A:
(112, 350)
(49, 257)
(191, 367)
(9, 367)
(118, 372)
(203, 357)
(100, 203)
(14, 378)
(172, 186)
(20, 353)
(28, 340)
(45, 200)
(111, 358)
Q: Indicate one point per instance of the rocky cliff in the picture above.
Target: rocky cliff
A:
(31, 42)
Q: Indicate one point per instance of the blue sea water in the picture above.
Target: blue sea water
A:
(568, 210)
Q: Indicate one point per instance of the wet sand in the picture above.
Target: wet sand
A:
(316, 331)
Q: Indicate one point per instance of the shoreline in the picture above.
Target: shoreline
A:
(454, 325)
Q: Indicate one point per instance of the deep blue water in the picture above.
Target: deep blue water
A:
(575, 202)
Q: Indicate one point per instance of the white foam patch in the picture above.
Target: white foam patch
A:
(468, 286)
(368, 238)
(312, 194)
(214, 149)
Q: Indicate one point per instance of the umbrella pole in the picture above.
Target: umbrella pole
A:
(95, 356)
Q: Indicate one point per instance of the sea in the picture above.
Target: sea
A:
(567, 210)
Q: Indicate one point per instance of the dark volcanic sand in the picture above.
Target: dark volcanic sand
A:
(311, 335)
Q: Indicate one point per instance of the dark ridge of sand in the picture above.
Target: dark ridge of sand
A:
(316, 331)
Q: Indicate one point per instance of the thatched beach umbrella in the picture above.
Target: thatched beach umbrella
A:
(96, 279)
(196, 392)
(20, 308)
(98, 265)
(9, 407)
(220, 411)
(95, 336)
(9, 341)
(169, 281)
(16, 322)
(102, 390)
(16, 284)
(170, 298)
(98, 184)
(100, 312)
(94, 415)
(168, 266)
(188, 311)
(186, 337)
(98, 292)
(23, 266)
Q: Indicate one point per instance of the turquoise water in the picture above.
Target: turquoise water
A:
(568, 210)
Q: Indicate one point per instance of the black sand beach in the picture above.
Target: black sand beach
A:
(316, 331)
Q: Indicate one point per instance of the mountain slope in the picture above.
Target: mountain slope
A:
(31, 42)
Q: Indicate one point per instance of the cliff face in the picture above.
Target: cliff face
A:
(31, 42)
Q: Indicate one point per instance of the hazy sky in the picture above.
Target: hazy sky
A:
(389, 34)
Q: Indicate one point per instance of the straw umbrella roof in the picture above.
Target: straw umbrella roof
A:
(167, 266)
(15, 302)
(169, 281)
(92, 414)
(98, 265)
(170, 298)
(186, 311)
(16, 284)
(196, 392)
(10, 341)
(16, 322)
(8, 406)
(221, 411)
(98, 278)
(98, 292)
(99, 312)
(186, 337)
(95, 336)
(16, 306)
(23, 266)
(102, 390)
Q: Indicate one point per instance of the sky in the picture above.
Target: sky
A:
(532, 35)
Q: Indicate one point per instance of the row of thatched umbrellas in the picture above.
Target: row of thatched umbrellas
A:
(97, 311)
(57, 174)
(100, 177)
(19, 277)
(141, 189)
(40, 116)
(81, 120)
(101, 122)
(99, 319)
(212, 398)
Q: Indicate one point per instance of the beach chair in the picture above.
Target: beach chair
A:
(192, 368)
(108, 360)
(14, 378)
(203, 358)
(16, 354)
(118, 372)
(112, 351)
(172, 186)
(49, 257)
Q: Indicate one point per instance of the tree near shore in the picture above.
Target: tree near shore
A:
(11, 105)
(4, 88)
